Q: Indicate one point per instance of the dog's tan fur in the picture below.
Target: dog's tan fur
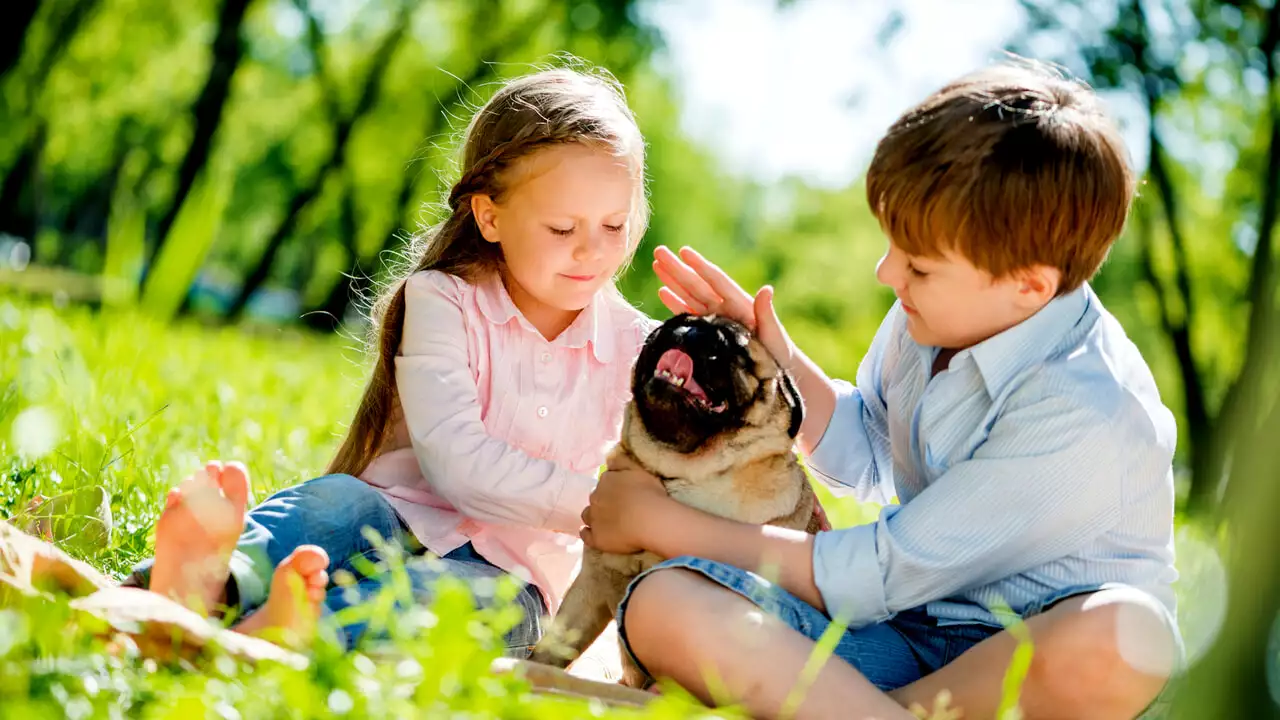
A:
(750, 475)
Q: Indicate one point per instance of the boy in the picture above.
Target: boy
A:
(1019, 427)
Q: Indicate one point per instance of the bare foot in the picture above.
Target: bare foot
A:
(196, 534)
(293, 605)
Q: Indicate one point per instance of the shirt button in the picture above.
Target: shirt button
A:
(542, 411)
(546, 357)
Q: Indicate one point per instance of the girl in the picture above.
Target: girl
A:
(506, 331)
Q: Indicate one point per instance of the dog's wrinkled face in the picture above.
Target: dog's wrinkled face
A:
(700, 377)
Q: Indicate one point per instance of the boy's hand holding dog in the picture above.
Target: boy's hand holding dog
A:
(627, 507)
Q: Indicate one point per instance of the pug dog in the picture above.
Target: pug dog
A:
(715, 417)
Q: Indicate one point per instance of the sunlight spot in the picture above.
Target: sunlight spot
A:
(368, 687)
(340, 703)
(1201, 591)
(252, 430)
(19, 256)
(408, 668)
(364, 665)
(13, 630)
(226, 395)
(35, 432)
(225, 665)
(1142, 633)
(10, 317)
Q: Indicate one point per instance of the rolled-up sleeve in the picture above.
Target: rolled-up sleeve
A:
(484, 477)
(1048, 479)
(854, 449)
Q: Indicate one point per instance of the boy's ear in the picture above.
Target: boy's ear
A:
(484, 211)
(1038, 284)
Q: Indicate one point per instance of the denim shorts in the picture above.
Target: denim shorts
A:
(889, 654)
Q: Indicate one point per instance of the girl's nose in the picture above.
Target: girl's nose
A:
(592, 245)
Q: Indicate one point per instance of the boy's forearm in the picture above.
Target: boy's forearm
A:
(784, 556)
(819, 399)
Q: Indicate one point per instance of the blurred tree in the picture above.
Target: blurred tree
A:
(1205, 76)
(18, 17)
(20, 188)
(352, 285)
(206, 112)
(341, 127)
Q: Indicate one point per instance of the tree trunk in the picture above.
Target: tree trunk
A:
(19, 14)
(353, 285)
(327, 316)
(228, 49)
(1230, 681)
(1240, 411)
(337, 159)
(1199, 422)
(18, 217)
(17, 191)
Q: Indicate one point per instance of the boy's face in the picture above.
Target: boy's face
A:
(952, 304)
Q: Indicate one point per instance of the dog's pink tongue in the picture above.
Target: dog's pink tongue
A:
(678, 363)
(680, 366)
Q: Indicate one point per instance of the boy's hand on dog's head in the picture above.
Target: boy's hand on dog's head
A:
(692, 284)
(625, 505)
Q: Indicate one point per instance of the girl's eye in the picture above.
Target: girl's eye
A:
(614, 228)
(561, 233)
(916, 271)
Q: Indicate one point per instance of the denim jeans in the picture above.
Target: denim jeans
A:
(331, 512)
(889, 654)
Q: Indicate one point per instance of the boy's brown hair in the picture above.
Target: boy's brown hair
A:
(1011, 166)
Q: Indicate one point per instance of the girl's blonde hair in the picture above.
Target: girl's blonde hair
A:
(528, 114)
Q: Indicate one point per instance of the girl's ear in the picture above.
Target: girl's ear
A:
(485, 212)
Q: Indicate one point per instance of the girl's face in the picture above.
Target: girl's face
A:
(564, 230)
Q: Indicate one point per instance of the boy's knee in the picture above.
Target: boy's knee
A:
(661, 616)
(649, 609)
(1108, 654)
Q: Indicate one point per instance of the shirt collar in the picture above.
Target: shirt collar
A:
(593, 326)
(1002, 356)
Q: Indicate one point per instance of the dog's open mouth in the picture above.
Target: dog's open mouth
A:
(676, 367)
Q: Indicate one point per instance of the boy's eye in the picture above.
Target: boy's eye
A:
(916, 271)
(559, 231)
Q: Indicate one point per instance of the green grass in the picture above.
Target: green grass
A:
(130, 404)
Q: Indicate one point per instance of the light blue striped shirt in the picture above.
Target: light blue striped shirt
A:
(1037, 465)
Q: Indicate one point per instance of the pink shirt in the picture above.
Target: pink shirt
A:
(503, 432)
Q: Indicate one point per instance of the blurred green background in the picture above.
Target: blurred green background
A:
(251, 165)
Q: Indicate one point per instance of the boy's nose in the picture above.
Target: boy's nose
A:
(889, 273)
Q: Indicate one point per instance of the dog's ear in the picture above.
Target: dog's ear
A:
(791, 396)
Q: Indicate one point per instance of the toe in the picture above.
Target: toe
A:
(318, 579)
(234, 481)
(308, 559)
(173, 498)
